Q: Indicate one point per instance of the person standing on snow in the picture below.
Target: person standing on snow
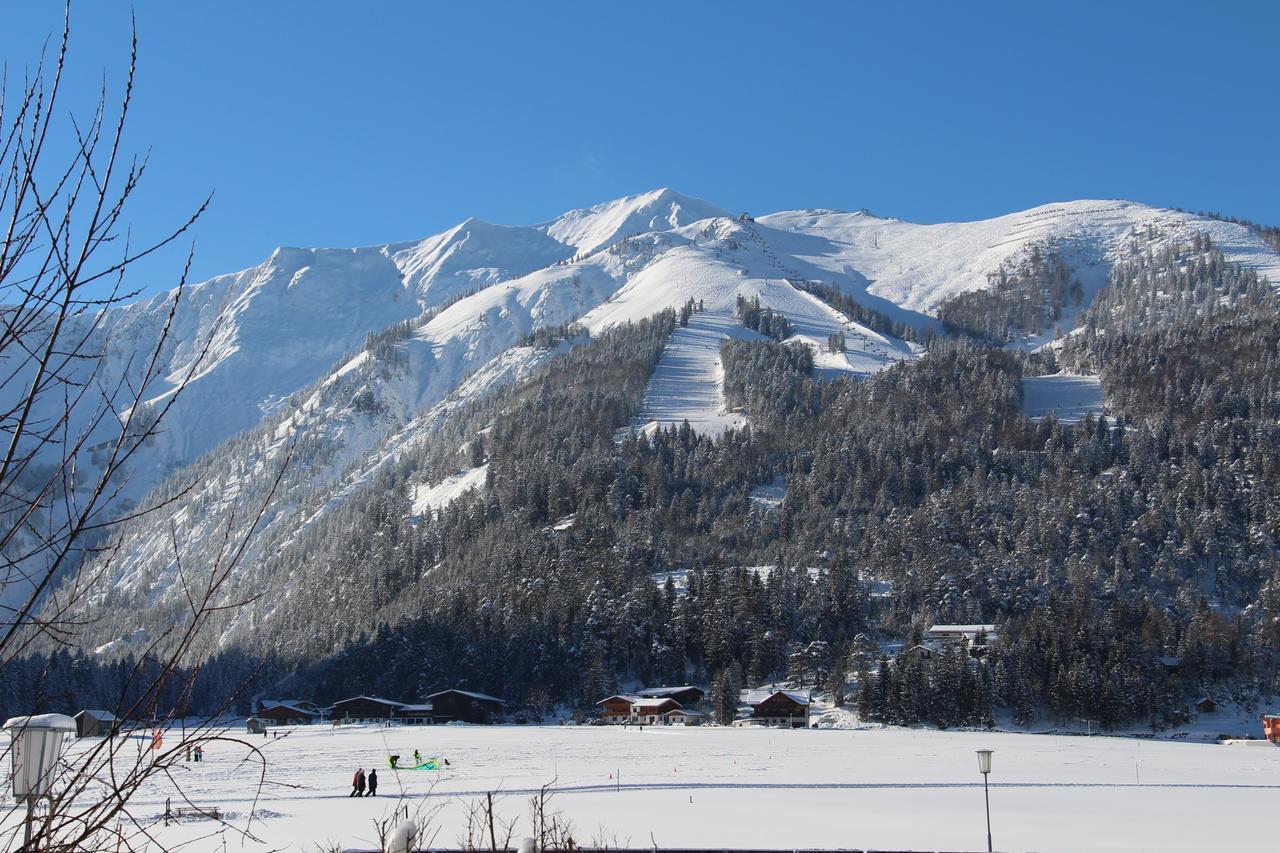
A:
(357, 784)
(373, 783)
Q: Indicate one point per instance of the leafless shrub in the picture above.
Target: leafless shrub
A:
(71, 419)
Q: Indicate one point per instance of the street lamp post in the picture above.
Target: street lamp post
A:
(35, 744)
(984, 767)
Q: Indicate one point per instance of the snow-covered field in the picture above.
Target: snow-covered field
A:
(1067, 397)
(726, 787)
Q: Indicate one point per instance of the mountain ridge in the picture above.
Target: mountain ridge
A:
(414, 352)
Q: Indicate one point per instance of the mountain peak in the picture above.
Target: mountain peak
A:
(601, 225)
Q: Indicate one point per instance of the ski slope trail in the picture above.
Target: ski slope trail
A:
(688, 383)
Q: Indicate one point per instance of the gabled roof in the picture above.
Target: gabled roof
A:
(104, 716)
(288, 706)
(682, 712)
(654, 692)
(296, 703)
(755, 697)
(625, 697)
(390, 702)
(423, 706)
(483, 697)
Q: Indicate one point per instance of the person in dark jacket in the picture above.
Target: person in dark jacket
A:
(357, 784)
(373, 783)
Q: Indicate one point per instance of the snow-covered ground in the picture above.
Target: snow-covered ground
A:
(443, 493)
(688, 383)
(1068, 397)
(726, 787)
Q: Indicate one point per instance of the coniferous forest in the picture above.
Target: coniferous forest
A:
(595, 555)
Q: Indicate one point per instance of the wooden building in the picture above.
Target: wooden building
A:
(1271, 728)
(301, 704)
(681, 717)
(786, 708)
(617, 708)
(1206, 705)
(93, 723)
(416, 715)
(255, 726)
(449, 706)
(364, 708)
(284, 714)
(648, 712)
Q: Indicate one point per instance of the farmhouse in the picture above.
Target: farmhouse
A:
(91, 723)
(648, 711)
(301, 704)
(786, 708)
(464, 706)
(1271, 728)
(364, 708)
(617, 708)
(285, 714)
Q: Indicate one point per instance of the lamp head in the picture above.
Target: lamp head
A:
(984, 761)
(37, 743)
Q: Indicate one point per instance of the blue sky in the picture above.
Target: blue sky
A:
(320, 123)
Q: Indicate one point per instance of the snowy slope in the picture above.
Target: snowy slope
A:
(722, 260)
(918, 267)
(604, 224)
(276, 328)
(275, 333)
(470, 256)
(1068, 398)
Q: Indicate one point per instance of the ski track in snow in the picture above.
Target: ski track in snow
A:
(688, 383)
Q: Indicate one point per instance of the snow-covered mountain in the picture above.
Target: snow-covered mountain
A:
(352, 358)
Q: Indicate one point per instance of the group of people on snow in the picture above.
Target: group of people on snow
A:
(366, 785)
(359, 782)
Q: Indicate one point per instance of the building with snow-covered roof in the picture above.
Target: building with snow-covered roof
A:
(285, 714)
(785, 708)
(967, 635)
(685, 694)
(683, 717)
(300, 704)
(618, 708)
(449, 706)
(364, 709)
(96, 723)
(649, 710)
(416, 714)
